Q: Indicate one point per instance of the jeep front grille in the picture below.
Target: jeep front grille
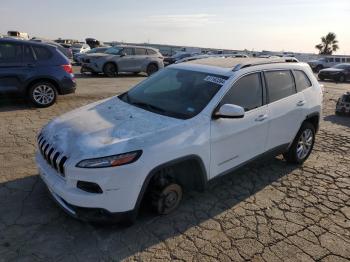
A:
(52, 156)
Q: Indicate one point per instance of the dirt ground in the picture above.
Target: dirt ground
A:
(266, 211)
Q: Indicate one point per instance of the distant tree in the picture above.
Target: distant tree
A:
(328, 45)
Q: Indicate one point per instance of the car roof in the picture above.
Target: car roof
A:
(230, 65)
(136, 46)
(18, 41)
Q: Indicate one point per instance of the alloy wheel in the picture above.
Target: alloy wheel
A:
(43, 94)
(305, 143)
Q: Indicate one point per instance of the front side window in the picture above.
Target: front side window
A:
(330, 60)
(113, 50)
(301, 80)
(128, 51)
(280, 84)
(246, 92)
(175, 92)
(10, 53)
(337, 60)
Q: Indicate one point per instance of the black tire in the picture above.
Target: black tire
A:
(341, 78)
(301, 147)
(42, 94)
(151, 69)
(167, 199)
(318, 68)
(110, 70)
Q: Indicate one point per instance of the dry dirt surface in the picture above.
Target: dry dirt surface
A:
(266, 211)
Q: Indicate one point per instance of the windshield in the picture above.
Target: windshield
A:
(342, 66)
(77, 45)
(175, 92)
(113, 50)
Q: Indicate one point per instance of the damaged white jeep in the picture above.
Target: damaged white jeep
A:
(175, 131)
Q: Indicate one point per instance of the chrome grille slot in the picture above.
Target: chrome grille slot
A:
(53, 157)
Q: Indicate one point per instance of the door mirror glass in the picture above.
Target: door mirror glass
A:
(229, 111)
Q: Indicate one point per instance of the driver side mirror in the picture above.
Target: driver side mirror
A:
(229, 111)
(123, 54)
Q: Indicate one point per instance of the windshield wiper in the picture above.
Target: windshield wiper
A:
(147, 106)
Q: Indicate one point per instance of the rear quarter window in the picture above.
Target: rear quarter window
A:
(302, 81)
(42, 53)
(280, 84)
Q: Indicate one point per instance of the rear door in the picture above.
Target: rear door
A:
(139, 59)
(126, 62)
(235, 141)
(285, 108)
(12, 68)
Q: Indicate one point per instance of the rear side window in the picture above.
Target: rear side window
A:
(348, 60)
(140, 51)
(246, 92)
(151, 52)
(28, 54)
(41, 53)
(301, 80)
(280, 85)
(10, 53)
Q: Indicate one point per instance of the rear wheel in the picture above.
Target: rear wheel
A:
(151, 69)
(110, 70)
(302, 145)
(43, 94)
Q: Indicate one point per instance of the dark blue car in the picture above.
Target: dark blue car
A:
(38, 71)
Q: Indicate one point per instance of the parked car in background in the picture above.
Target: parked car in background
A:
(79, 56)
(78, 48)
(326, 62)
(19, 35)
(36, 70)
(175, 131)
(66, 41)
(93, 43)
(178, 56)
(343, 104)
(338, 73)
(123, 58)
(66, 50)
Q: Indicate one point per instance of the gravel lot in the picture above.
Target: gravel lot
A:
(267, 211)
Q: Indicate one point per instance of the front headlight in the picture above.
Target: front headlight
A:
(110, 161)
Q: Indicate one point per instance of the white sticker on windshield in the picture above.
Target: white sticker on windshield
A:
(215, 80)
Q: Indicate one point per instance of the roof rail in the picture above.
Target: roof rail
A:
(265, 61)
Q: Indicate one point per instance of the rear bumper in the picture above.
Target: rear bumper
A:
(68, 86)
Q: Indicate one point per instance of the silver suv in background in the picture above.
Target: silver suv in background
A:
(326, 62)
(123, 58)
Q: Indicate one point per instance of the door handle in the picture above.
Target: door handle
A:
(301, 103)
(261, 118)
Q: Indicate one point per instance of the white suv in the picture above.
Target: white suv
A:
(177, 130)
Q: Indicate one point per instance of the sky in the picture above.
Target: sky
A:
(277, 25)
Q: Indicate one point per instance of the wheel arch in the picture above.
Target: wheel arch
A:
(196, 179)
(314, 119)
(43, 79)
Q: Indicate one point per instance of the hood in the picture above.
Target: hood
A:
(332, 69)
(105, 128)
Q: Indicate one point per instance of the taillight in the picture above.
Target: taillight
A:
(68, 68)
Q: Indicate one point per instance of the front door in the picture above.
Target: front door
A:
(126, 62)
(235, 141)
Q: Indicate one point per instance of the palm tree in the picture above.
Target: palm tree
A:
(329, 44)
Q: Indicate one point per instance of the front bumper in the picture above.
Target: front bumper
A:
(80, 204)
